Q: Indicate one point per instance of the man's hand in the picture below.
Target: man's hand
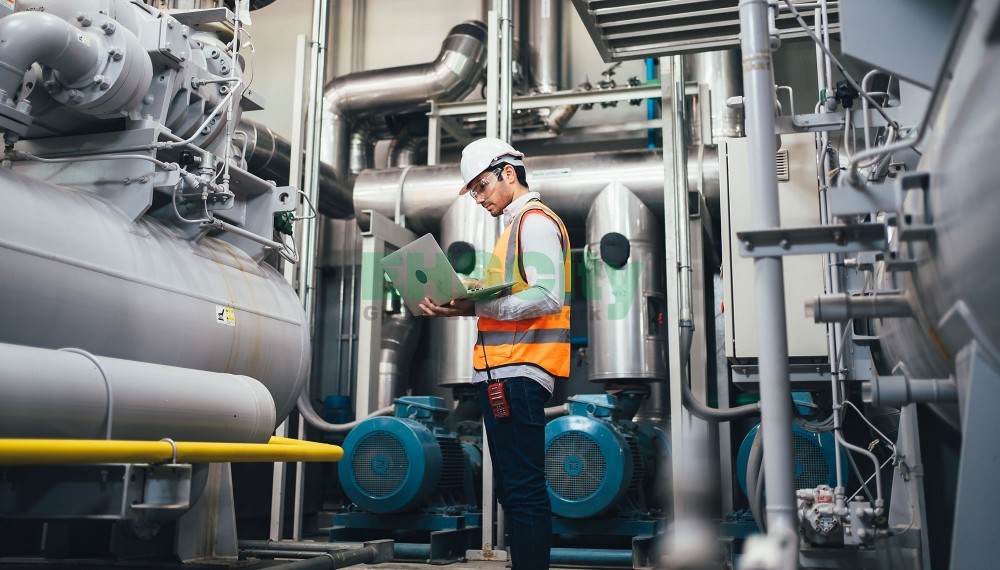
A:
(456, 308)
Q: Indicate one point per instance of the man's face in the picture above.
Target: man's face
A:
(492, 191)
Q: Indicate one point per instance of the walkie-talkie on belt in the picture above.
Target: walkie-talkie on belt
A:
(496, 390)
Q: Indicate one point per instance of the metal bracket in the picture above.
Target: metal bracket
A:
(848, 200)
(812, 240)
(818, 122)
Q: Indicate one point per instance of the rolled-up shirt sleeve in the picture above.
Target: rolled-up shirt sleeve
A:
(542, 256)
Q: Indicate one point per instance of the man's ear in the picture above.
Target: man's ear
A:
(509, 176)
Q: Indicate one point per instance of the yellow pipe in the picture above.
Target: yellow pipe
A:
(87, 451)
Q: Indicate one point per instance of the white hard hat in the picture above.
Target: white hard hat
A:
(479, 155)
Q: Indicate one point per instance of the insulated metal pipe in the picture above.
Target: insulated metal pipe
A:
(569, 184)
(720, 71)
(147, 401)
(775, 389)
(268, 156)
(400, 332)
(543, 44)
(457, 69)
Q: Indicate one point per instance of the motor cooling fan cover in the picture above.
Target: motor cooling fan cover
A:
(390, 464)
(588, 466)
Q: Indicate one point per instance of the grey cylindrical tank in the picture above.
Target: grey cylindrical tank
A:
(626, 309)
(956, 275)
(56, 394)
(78, 273)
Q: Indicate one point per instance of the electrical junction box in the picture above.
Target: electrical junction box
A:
(799, 204)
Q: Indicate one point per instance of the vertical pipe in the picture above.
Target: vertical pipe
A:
(506, 62)
(672, 85)
(833, 330)
(492, 74)
(543, 44)
(650, 103)
(294, 179)
(307, 264)
(775, 389)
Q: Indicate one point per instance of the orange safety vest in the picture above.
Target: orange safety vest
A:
(540, 341)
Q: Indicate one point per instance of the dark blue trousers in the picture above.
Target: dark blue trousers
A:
(517, 447)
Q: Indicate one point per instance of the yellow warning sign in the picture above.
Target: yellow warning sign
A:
(225, 315)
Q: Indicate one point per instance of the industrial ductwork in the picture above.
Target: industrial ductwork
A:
(457, 69)
(568, 183)
(269, 155)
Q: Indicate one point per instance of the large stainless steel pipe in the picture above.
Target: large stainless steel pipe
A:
(57, 394)
(457, 69)
(400, 332)
(268, 156)
(543, 44)
(720, 71)
(569, 184)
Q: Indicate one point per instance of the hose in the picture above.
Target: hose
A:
(313, 419)
(691, 402)
(754, 472)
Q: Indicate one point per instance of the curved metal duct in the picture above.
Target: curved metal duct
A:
(452, 75)
(404, 150)
(363, 140)
(269, 155)
(569, 184)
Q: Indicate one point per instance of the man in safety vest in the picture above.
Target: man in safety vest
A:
(523, 340)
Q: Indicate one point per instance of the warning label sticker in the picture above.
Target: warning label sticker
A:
(225, 315)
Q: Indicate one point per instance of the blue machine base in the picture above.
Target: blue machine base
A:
(407, 521)
(608, 527)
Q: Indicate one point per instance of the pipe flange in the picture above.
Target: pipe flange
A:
(119, 81)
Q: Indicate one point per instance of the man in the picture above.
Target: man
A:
(523, 339)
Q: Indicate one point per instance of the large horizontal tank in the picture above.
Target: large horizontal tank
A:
(78, 273)
(953, 289)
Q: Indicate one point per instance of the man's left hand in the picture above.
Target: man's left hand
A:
(456, 308)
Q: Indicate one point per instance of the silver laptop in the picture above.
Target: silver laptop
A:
(421, 269)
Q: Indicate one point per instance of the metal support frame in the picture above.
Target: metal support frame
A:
(378, 235)
(776, 242)
(675, 178)
(208, 529)
(441, 113)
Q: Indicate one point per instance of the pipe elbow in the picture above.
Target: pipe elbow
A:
(30, 37)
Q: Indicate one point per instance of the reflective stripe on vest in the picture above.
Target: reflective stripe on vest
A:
(540, 341)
